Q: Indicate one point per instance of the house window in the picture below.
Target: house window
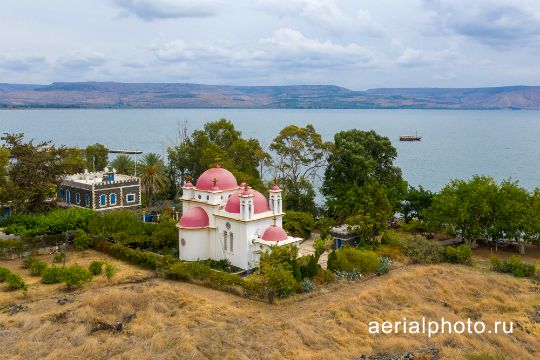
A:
(87, 199)
(112, 199)
(225, 240)
(62, 194)
(77, 197)
(68, 196)
(130, 198)
(102, 200)
(231, 239)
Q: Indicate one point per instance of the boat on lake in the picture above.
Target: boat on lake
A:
(414, 137)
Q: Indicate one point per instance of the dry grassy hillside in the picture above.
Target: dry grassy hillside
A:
(179, 320)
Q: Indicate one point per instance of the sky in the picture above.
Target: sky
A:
(355, 44)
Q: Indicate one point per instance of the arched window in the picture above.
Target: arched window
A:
(102, 200)
(68, 196)
(231, 239)
(112, 199)
(87, 199)
(225, 240)
(77, 197)
(62, 194)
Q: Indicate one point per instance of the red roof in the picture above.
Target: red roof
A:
(194, 218)
(274, 233)
(222, 178)
(259, 201)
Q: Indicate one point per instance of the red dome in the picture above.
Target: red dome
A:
(275, 187)
(194, 218)
(224, 179)
(260, 202)
(274, 233)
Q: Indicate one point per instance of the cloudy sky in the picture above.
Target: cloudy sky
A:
(357, 44)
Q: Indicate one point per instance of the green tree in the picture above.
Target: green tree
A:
(154, 176)
(75, 276)
(4, 166)
(532, 223)
(123, 164)
(414, 203)
(74, 161)
(361, 179)
(466, 208)
(301, 153)
(35, 171)
(96, 156)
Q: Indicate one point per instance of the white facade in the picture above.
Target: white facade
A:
(230, 224)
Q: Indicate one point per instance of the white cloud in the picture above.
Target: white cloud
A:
(411, 57)
(82, 60)
(168, 9)
(20, 63)
(498, 23)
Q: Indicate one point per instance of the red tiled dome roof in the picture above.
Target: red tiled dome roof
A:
(274, 233)
(224, 179)
(194, 218)
(259, 201)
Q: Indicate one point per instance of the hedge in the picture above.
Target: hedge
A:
(143, 258)
(513, 265)
(461, 254)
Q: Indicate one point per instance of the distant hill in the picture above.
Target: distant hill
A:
(177, 95)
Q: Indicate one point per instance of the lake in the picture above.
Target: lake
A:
(455, 144)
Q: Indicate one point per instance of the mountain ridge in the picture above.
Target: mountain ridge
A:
(93, 94)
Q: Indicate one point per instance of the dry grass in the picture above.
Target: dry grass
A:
(178, 320)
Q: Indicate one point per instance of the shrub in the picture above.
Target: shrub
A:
(308, 266)
(75, 276)
(348, 275)
(513, 265)
(307, 285)
(53, 222)
(82, 241)
(27, 262)
(414, 226)
(110, 270)
(461, 254)
(222, 265)
(282, 282)
(15, 282)
(3, 273)
(420, 250)
(96, 267)
(364, 261)
(118, 221)
(325, 225)
(394, 252)
(188, 271)
(384, 265)
(324, 277)
(58, 258)
(331, 263)
(37, 267)
(52, 275)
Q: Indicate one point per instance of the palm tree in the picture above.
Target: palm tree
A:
(154, 175)
(123, 164)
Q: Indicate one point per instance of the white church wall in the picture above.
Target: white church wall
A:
(194, 244)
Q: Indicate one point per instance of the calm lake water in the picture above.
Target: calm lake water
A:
(456, 144)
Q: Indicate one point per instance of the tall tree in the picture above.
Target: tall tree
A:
(35, 170)
(97, 157)
(466, 208)
(74, 160)
(4, 164)
(300, 154)
(414, 203)
(361, 178)
(123, 164)
(154, 176)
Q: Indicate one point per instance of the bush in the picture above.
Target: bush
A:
(461, 254)
(37, 267)
(110, 270)
(27, 262)
(384, 265)
(118, 221)
(52, 275)
(324, 277)
(53, 222)
(420, 250)
(282, 282)
(348, 275)
(82, 241)
(188, 271)
(513, 265)
(96, 267)
(3, 273)
(331, 263)
(15, 282)
(414, 226)
(75, 276)
(364, 261)
(308, 266)
(58, 258)
(221, 265)
(307, 285)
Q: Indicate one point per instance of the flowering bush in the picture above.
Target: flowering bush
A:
(349, 275)
(384, 265)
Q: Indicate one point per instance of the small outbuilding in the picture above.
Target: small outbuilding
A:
(344, 235)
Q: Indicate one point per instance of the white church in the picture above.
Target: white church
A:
(222, 220)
